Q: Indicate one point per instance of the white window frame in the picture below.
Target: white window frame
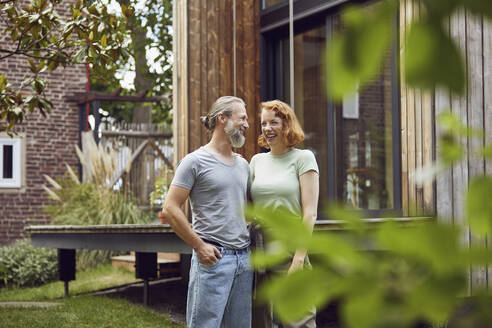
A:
(16, 180)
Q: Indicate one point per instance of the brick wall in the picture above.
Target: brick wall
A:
(49, 142)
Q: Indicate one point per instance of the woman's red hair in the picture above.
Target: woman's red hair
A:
(292, 131)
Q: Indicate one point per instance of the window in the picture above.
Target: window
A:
(271, 3)
(10, 162)
(356, 141)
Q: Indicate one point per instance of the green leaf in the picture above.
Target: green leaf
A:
(32, 66)
(269, 259)
(79, 56)
(433, 59)
(355, 55)
(321, 288)
(91, 36)
(281, 225)
(3, 82)
(440, 9)
(103, 41)
(487, 152)
(438, 296)
(479, 205)
(479, 7)
(449, 122)
(352, 218)
(38, 85)
(451, 150)
(363, 310)
(431, 244)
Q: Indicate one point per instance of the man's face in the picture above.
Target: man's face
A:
(236, 125)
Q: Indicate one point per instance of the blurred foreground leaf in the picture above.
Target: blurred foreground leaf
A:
(355, 55)
(479, 205)
(433, 59)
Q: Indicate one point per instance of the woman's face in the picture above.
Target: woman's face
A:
(271, 128)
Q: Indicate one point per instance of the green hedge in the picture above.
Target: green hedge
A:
(24, 265)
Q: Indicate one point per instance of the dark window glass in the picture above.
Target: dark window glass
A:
(8, 162)
(364, 159)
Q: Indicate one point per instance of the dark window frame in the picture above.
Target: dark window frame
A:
(307, 14)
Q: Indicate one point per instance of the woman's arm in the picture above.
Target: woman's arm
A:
(309, 184)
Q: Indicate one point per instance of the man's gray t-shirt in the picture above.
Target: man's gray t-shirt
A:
(217, 196)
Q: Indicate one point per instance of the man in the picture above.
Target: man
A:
(216, 181)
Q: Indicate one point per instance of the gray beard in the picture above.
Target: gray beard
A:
(235, 135)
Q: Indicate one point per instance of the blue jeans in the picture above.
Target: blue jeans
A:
(220, 295)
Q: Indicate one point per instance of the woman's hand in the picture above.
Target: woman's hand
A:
(297, 262)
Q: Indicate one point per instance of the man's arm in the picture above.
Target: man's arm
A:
(175, 199)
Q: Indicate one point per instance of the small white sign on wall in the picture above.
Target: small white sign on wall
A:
(351, 106)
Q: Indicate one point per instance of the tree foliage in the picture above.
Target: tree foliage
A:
(40, 34)
(150, 32)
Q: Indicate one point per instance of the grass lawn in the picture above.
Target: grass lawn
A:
(84, 311)
(79, 311)
(89, 280)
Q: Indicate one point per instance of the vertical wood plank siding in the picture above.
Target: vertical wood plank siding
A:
(444, 181)
(475, 118)
(205, 66)
(403, 109)
(420, 131)
(487, 81)
(180, 78)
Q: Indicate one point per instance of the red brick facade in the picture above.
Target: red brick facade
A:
(49, 143)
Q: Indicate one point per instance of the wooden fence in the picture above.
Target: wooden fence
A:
(142, 153)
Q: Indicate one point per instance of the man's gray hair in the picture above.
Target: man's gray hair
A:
(223, 105)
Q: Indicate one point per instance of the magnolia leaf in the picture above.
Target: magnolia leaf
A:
(45, 104)
(479, 205)
(3, 82)
(103, 41)
(429, 51)
(79, 56)
(32, 66)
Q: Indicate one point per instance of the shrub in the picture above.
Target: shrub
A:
(24, 265)
(89, 204)
(93, 201)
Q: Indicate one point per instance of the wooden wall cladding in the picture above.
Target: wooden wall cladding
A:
(420, 131)
(222, 58)
(417, 129)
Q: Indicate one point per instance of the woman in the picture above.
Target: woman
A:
(286, 176)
